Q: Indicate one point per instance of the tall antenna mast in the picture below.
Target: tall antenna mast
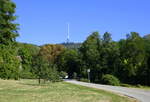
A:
(68, 33)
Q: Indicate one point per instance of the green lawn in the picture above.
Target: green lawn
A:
(30, 91)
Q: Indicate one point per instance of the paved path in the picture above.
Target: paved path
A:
(139, 94)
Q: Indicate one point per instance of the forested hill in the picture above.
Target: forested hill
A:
(72, 45)
(147, 37)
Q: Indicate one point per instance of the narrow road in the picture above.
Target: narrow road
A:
(139, 94)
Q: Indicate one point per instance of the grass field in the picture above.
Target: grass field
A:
(30, 91)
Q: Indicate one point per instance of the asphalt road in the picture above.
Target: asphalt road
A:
(140, 94)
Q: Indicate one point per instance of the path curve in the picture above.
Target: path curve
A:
(140, 94)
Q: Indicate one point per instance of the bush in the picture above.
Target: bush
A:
(63, 74)
(110, 80)
(53, 76)
(27, 75)
(84, 80)
(125, 85)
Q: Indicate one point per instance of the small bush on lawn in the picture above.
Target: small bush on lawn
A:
(110, 80)
(54, 76)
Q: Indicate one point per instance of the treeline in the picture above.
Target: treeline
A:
(72, 45)
(128, 60)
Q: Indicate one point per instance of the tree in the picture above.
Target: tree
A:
(143, 75)
(40, 68)
(109, 55)
(107, 38)
(8, 29)
(90, 52)
(9, 68)
(50, 52)
(44, 62)
(132, 57)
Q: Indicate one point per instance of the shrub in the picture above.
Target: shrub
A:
(63, 74)
(84, 80)
(125, 85)
(53, 76)
(27, 75)
(110, 80)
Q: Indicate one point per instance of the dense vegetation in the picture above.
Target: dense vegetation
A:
(127, 61)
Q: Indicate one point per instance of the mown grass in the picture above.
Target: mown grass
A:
(30, 91)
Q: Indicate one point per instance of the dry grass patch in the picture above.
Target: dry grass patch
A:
(30, 91)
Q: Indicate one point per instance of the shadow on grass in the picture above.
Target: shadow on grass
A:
(31, 84)
(36, 84)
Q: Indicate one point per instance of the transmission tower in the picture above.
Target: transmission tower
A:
(68, 33)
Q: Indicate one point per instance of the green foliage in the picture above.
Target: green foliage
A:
(44, 62)
(110, 80)
(132, 56)
(128, 59)
(69, 62)
(90, 52)
(84, 80)
(40, 68)
(45, 71)
(109, 56)
(26, 53)
(107, 38)
(9, 61)
(8, 29)
(9, 64)
(125, 85)
(53, 75)
(63, 74)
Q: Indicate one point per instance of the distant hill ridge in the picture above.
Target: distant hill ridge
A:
(72, 45)
(147, 37)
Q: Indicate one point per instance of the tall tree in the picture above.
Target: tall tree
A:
(132, 56)
(9, 67)
(109, 55)
(107, 37)
(90, 52)
(143, 75)
(8, 29)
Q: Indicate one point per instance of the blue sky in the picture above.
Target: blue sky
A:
(45, 21)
